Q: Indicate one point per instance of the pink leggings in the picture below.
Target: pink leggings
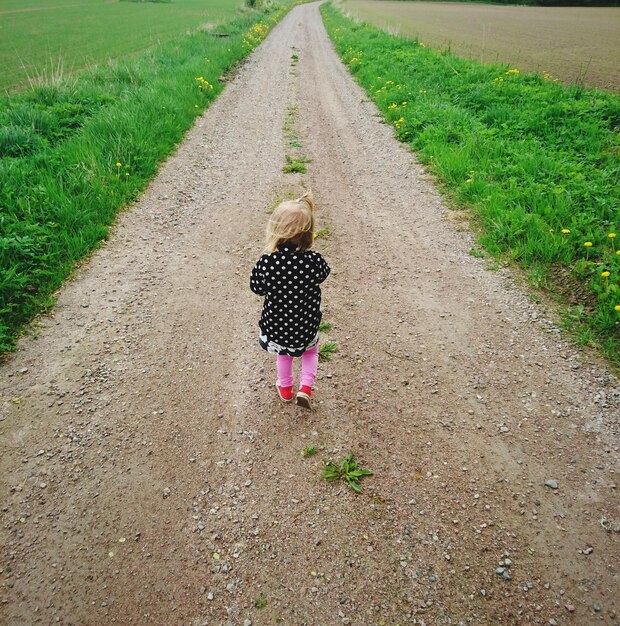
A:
(309, 366)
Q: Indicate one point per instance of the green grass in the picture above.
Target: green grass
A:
(308, 451)
(295, 165)
(528, 156)
(346, 469)
(327, 350)
(325, 327)
(323, 233)
(71, 36)
(60, 186)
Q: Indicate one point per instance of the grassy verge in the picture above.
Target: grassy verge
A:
(73, 153)
(537, 162)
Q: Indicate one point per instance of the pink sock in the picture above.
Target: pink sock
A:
(309, 366)
(284, 368)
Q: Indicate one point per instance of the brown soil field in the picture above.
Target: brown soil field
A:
(571, 43)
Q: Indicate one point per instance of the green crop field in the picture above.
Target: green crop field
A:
(571, 43)
(40, 37)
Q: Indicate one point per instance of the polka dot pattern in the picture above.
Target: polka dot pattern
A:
(290, 281)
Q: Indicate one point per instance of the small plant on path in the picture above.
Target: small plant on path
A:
(323, 233)
(308, 451)
(325, 326)
(326, 351)
(260, 602)
(345, 469)
(295, 164)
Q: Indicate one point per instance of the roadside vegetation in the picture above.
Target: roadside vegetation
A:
(73, 152)
(536, 162)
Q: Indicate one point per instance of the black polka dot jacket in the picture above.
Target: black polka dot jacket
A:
(290, 281)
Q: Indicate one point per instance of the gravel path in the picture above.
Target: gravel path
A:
(150, 475)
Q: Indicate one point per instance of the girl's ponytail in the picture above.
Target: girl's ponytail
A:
(308, 199)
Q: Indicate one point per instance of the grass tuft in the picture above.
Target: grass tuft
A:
(325, 326)
(295, 165)
(260, 602)
(323, 233)
(308, 451)
(327, 350)
(347, 470)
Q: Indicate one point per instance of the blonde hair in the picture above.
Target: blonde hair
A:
(292, 222)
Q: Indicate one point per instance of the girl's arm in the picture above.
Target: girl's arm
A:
(257, 279)
(322, 270)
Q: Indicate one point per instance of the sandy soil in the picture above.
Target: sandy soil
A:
(572, 43)
(151, 476)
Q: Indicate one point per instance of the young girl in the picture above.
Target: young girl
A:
(289, 275)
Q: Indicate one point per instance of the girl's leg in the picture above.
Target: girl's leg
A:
(309, 366)
(284, 368)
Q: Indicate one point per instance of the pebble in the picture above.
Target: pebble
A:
(570, 608)
(552, 484)
(166, 492)
(247, 622)
(210, 595)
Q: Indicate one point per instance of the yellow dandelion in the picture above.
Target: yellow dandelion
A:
(605, 274)
(119, 164)
(612, 235)
(617, 307)
(588, 244)
(565, 231)
(469, 180)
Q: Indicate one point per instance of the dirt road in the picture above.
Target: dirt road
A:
(150, 475)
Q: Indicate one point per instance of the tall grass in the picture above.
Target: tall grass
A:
(537, 162)
(73, 153)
